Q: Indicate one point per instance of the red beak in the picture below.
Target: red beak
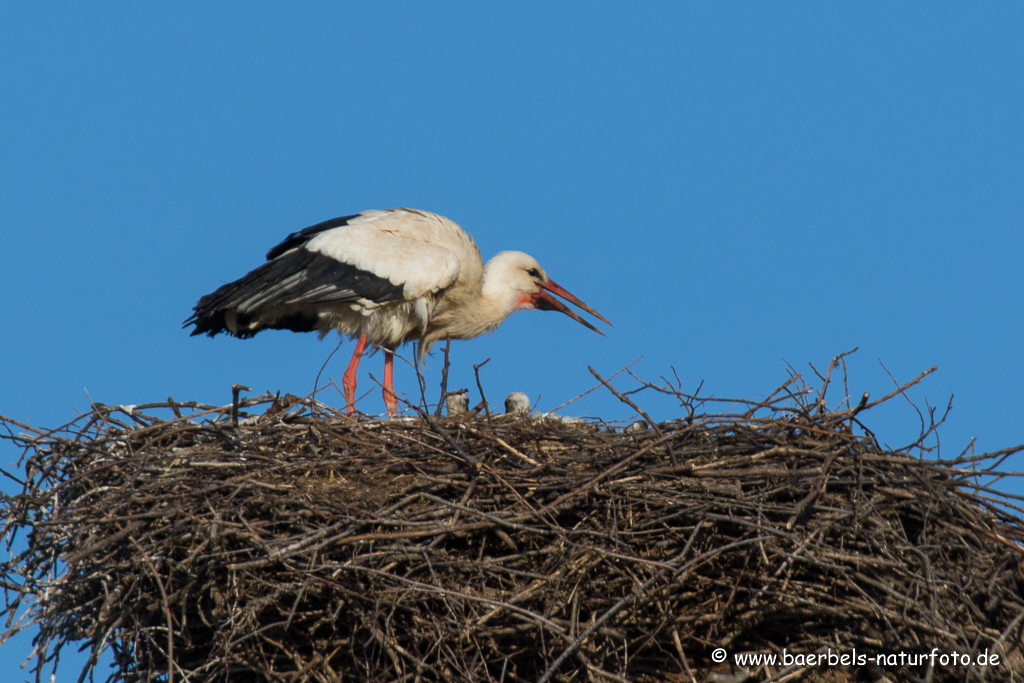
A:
(546, 302)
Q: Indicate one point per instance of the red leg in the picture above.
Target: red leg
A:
(390, 399)
(348, 380)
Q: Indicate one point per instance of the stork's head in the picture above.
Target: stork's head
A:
(517, 281)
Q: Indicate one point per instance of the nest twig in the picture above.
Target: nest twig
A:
(221, 543)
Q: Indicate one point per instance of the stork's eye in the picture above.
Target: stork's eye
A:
(533, 272)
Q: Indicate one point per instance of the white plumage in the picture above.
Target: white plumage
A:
(385, 277)
(407, 248)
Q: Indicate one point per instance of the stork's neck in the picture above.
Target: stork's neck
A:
(479, 302)
(498, 297)
(467, 311)
(494, 302)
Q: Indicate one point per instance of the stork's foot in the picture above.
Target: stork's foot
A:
(349, 386)
(348, 380)
(390, 399)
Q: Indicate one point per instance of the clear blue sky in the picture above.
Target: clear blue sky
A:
(737, 186)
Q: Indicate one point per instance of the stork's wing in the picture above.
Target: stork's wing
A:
(351, 260)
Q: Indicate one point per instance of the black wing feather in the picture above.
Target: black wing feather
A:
(286, 291)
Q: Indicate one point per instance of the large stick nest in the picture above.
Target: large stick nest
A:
(292, 545)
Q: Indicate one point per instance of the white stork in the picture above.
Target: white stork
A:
(382, 277)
